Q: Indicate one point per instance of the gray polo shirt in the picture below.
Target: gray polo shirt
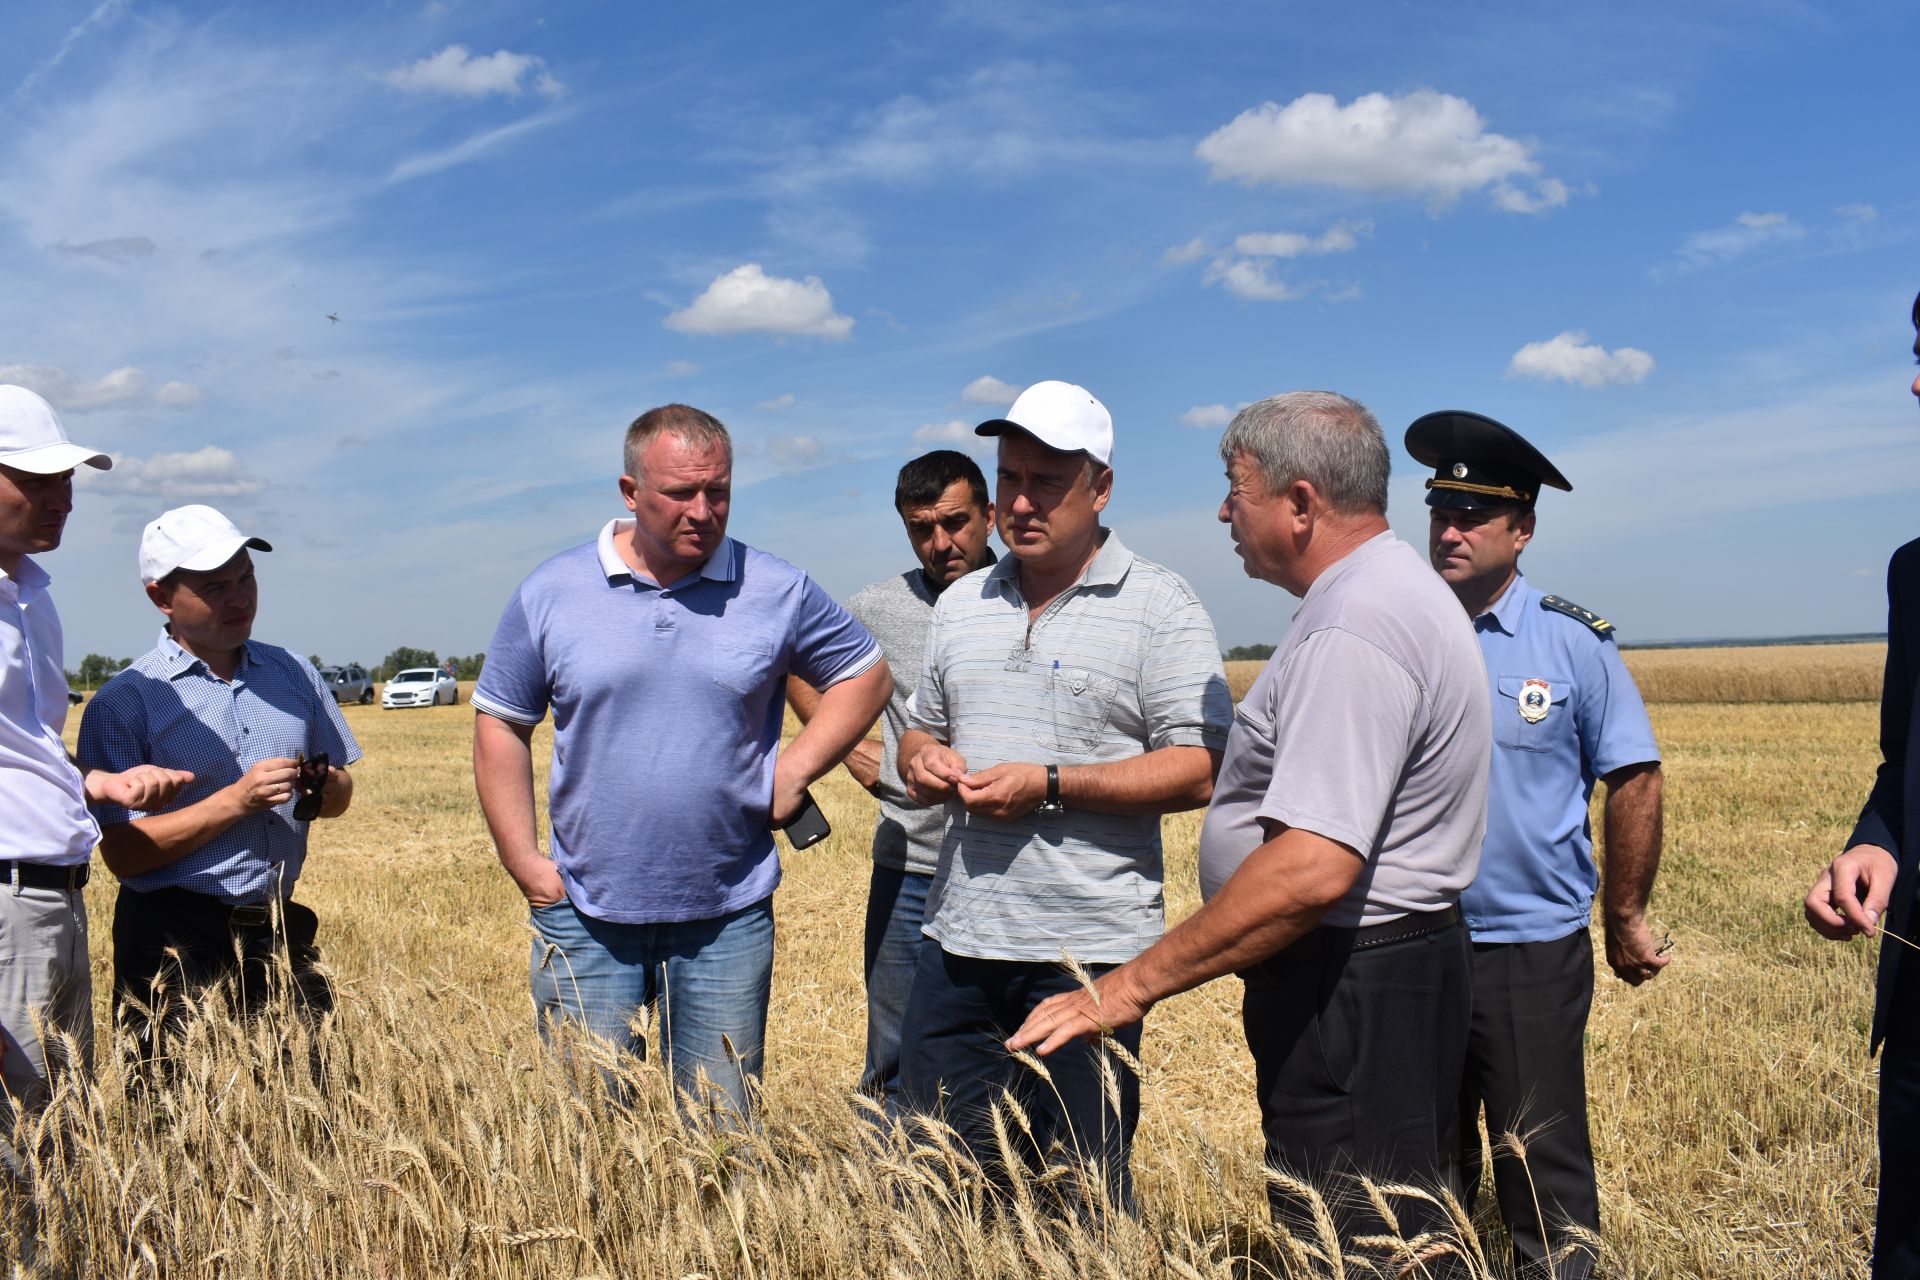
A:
(898, 611)
(1369, 726)
(1121, 663)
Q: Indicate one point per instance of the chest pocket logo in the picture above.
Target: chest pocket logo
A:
(1530, 713)
(1535, 697)
(1078, 702)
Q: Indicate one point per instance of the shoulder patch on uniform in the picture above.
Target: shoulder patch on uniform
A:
(1599, 625)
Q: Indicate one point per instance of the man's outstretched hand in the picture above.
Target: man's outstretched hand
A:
(1115, 1001)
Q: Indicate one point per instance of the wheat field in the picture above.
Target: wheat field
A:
(1732, 1098)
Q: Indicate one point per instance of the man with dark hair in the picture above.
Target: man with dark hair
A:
(206, 883)
(46, 833)
(1877, 877)
(942, 501)
(662, 649)
(1071, 695)
(1345, 822)
(1565, 712)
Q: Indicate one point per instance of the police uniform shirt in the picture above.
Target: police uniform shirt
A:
(1565, 711)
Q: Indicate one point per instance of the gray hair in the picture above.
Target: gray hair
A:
(682, 421)
(1331, 442)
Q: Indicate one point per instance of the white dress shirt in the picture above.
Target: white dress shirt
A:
(43, 810)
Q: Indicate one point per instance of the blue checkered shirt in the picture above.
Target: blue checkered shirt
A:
(168, 709)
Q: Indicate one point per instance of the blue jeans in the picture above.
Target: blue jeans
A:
(896, 907)
(954, 1063)
(707, 979)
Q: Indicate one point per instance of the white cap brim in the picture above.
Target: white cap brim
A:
(52, 459)
(218, 552)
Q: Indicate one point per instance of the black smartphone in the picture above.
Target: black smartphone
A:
(310, 786)
(809, 826)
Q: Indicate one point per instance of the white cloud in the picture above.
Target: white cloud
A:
(197, 476)
(748, 300)
(1192, 251)
(179, 395)
(779, 404)
(71, 393)
(1748, 232)
(1424, 143)
(1342, 237)
(796, 453)
(1248, 278)
(954, 434)
(1858, 212)
(470, 148)
(1204, 416)
(1548, 193)
(989, 390)
(681, 368)
(457, 71)
(1571, 358)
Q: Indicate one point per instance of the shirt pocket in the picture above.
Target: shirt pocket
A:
(1529, 718)
(1077, 704)
(739, 666)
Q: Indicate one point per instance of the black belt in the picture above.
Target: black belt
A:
(40, 875)
(1332, 940)
(243, 915)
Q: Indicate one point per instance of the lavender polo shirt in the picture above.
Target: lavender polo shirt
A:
(667, 706)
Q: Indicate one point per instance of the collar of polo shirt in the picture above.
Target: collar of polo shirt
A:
(721, 566)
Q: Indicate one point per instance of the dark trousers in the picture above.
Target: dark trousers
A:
(1526, 1064)
(1357, 1057)
(954, 1063)
(1896, 1224)
(170, 944)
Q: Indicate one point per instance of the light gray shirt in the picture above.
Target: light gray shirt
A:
(1121, 663)
(1369, 726)
(898, 612)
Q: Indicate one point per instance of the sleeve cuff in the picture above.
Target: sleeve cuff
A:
(501, 711)
(859, 666)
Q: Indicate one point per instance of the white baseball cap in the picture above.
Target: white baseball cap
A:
(1061, 416)
(195, 538)
(32, 439)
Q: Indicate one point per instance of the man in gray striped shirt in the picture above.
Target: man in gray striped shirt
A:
(1071, 695)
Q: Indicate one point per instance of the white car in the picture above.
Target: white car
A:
(419, 687)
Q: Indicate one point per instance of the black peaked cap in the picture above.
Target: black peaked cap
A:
(1478, 462)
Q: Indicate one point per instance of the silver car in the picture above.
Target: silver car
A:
(420, 687)
(351, 683)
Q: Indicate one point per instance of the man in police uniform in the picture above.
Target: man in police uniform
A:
(1565, 712)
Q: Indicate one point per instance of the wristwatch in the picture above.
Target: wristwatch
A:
(1051, 805)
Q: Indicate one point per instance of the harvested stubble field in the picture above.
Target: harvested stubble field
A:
(1732, 1098)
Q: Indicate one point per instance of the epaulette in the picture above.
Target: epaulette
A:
(1600, 626)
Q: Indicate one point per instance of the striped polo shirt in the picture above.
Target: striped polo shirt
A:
(1121, 663)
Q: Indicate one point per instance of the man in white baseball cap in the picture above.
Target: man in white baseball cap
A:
(1070, 695)
(206, 882)
(46, 988)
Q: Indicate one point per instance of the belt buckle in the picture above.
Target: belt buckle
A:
(252, 915)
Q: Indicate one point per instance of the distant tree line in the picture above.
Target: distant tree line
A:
(95, 670)
(1249, 653)
(467, 668)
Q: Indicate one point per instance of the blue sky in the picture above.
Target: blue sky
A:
(1673, 245)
